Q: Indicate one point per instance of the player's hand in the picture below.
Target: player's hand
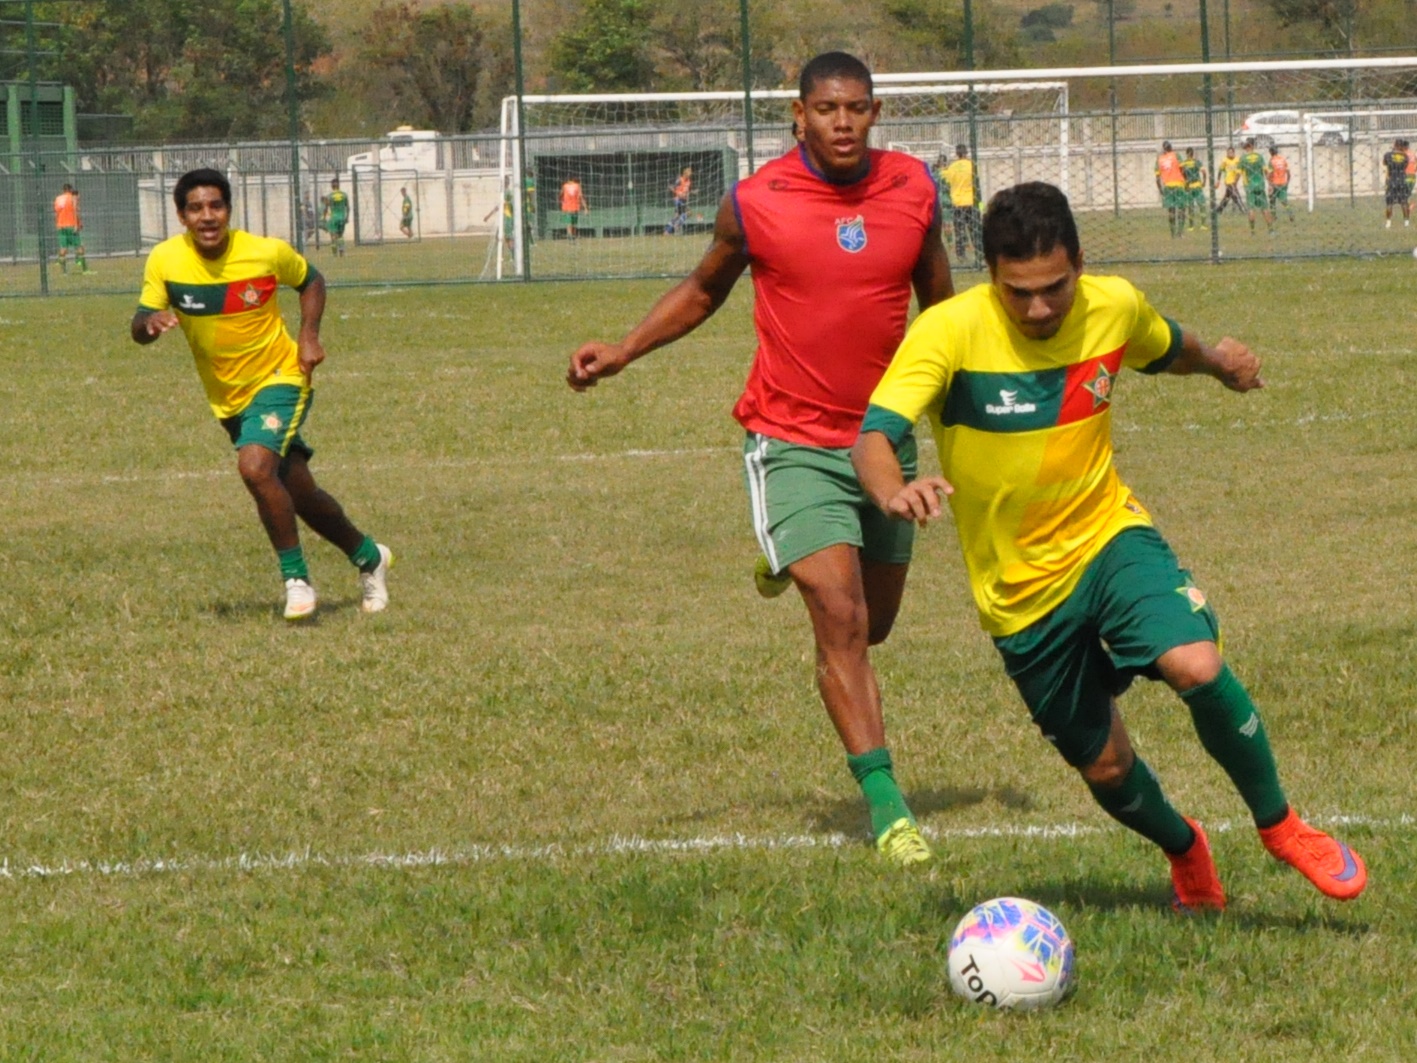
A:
(919, 500)
(1238, 367)
(159, 322)
(312, 353)
(593, 361)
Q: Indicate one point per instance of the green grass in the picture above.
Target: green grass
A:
(573, 796)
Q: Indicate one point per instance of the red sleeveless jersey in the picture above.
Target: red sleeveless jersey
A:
(832, 267)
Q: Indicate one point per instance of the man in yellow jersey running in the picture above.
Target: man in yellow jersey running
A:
(1079, 591)
(219, 285)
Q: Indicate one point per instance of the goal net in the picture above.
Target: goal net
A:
(1097, 132)
(655, 166)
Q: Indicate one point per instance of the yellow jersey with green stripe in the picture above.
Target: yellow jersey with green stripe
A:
(229, 312)
(1024, 430)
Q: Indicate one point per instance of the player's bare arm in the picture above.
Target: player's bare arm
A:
(878, 469)
(312, 309)
(931, 277)
(1229, 361)
(678, 312)
(148, 325)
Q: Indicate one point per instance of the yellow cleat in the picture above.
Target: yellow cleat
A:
(902, 844)
(769, 583)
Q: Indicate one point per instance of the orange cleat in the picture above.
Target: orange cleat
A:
(1195, 885)
(1330, 865)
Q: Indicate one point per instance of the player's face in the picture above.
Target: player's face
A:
(1037, 293)
(835, 121)
(208, 218)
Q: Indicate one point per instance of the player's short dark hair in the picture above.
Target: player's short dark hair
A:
(203, 178)
(1027, 221)
(1274, 149)
(830, 65)
(1166, 145)
(1250, 143)
(961, 150)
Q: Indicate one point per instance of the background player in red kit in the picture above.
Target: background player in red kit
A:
(837, 235)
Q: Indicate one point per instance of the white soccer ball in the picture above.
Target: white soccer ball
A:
(1011, 953)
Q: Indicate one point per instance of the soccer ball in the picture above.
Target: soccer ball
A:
(1011, 953)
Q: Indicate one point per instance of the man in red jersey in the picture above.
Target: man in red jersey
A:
(837, 235)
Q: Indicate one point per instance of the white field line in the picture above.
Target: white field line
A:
(466, 856)
(926, 442)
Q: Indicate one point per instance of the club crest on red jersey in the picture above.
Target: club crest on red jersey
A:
(851, 234)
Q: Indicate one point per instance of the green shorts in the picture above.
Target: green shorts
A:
(1279, 194)
(805, 499)
(1133, 603)
(1196, 196)
(1256, 197)
(69, 239)
(1173, 197)
(336, 226)
(272, 420)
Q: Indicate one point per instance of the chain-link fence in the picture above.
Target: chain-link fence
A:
(427, 208)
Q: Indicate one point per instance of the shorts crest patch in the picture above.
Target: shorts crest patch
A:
(271, 422)
(1194, 595)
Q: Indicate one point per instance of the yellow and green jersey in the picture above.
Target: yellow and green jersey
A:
(338, 205)
(1024, 430)
(1230, 169)
(1191, 172)
(1253, 166)
(229, 312)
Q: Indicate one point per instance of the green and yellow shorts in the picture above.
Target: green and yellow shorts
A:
(1279, 194)
(1257, 197)
(1133, 603)
(69, 239)
(272, 420)
(1173, 197)
(805, 499)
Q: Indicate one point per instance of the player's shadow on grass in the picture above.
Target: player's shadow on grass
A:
(846, 815)
(248, 608)
(1247, 913)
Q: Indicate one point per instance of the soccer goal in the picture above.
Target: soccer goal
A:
(1362, 138)
(632, 155)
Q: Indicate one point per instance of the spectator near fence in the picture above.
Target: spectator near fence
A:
(69, 225)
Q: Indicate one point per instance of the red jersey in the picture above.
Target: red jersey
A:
(832, 266)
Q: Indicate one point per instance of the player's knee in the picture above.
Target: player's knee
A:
(1110, 768)
(840, 617)
(1187, 667)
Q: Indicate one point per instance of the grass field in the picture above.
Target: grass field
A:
(572, 797)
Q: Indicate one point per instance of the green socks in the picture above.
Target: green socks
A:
(1231, 732)
(292, 564)
(872, 770)
(1138, 804)
(366, 555)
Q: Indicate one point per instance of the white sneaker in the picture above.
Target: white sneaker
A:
(300, 600)
(374, 586)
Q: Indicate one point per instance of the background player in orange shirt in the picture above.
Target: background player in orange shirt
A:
(680, 193)
(1278, 174)
(70, 228)
(838, 235)
(572, 203)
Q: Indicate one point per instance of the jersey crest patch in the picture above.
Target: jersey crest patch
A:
(851, 234)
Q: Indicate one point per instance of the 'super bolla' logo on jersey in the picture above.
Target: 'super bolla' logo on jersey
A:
(851, 234)
(1008, 403)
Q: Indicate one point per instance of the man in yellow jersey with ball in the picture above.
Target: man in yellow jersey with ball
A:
(219, 286)
(1079, 591)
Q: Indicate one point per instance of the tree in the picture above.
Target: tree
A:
(606, 49)
(444, 67)
(185, 69)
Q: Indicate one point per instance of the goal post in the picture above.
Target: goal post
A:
(629, 151)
